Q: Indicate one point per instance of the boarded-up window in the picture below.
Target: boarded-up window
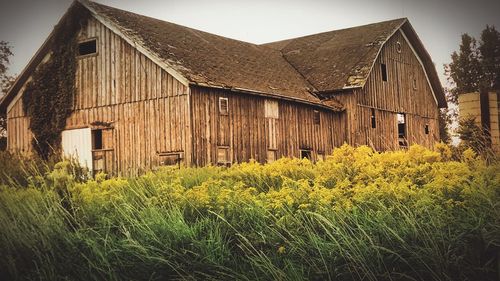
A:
(223, 155)
(271, 109)
(223, 106)
(316, 117)
(271, 156)
(383, 69)
(87, 47)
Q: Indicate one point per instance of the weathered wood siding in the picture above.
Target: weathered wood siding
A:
(249, 134)
(143, 109)
(400, 94)
(18, 134)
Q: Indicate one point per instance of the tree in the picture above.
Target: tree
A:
(444, 123)
(489, 48)
(464, 71)
(5, 83)
(473, 136)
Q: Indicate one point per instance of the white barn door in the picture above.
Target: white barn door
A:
(77, 143)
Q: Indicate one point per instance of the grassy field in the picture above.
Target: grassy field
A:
(358, 215)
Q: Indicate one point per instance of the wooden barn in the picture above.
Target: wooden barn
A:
(149, 93)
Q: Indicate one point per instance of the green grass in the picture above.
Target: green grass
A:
(359, 215)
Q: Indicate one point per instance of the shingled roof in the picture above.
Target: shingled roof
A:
(328, 59)
(295, 69)
(209, 59)
(343, 59)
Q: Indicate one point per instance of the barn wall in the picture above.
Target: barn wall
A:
(249, 134)
(18, 134)
(397, 95)
(143, 110)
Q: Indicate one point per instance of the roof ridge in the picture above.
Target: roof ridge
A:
(403, 20)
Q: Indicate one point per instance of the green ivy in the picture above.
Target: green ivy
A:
(48, 98)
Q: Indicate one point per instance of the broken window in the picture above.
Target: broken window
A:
(97, 139)
(317, 118)
(402, 130)
(223, 106)
(398, 47)
(305, 154)
(87, 47)
(383, 68)
(374, 123)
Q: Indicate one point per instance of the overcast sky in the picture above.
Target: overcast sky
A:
(439, 23)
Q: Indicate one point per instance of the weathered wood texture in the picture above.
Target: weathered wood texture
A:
(145, 107)
(18, 134)
(249, 134)
(405, 91)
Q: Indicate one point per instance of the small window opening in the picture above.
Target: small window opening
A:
(402, 130)
(383, 68)
(398, 47)
(414, 84)
(374, 123)
(223, 106)
(271, 156)
(317, 118)
(97, 139)
(305, 154)
(87, 47)
(426, 129)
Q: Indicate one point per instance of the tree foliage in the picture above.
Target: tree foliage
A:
(476, 66)
(464, 72)
(5, 83)
(489, 49)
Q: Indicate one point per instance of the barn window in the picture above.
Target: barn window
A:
(271, 155)
(304, 153)
(223, 106)
(316, 118)
(87, 47)
(402, 130)
(383, 68)
(372, 117)
(398, 47)
(426, 129)
(271, 109)
(223, 155)
(97, 139)
(414, 84)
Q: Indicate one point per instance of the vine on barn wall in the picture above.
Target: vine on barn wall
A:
(48, 97)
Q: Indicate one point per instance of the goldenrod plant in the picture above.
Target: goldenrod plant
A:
(417, 214)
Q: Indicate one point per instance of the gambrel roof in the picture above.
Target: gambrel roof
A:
(297, 69)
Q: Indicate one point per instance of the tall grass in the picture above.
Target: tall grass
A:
(358, 215)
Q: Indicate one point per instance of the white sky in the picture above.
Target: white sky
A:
(439, 23)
